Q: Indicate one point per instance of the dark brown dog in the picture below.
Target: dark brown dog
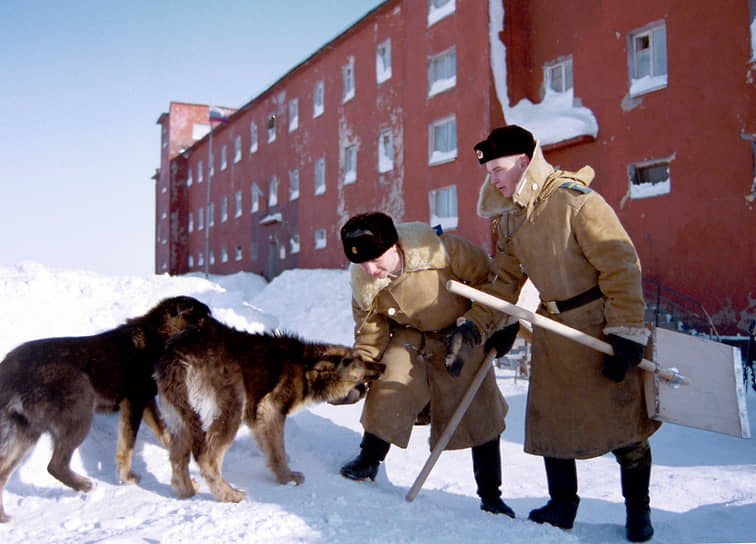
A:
(212, 378)
(55, 385)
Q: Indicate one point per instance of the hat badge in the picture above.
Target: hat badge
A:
(479, 154)
(354, 250)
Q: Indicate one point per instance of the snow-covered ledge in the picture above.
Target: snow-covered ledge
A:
(558, 120)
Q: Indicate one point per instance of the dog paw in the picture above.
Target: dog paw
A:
(4, 518)
(232, 495)
(297, 478)
(129, 477)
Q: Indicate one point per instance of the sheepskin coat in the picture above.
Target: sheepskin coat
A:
(403, 321)
(567, 239)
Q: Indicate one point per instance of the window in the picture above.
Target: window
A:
(443, 207)
(347, 78)
(293, 184)
(273, 192)
(190, 225)
(294, 244)
(272, 128)
(165, 136)
(224, 255)
(190, 261)
(200, 219)
(350, 164)
(442, 71)
(438, 9)
(557, 75)
(238, 203)
(256, 194)
(211, 164)
(293, 114)
(210, 214)
(320, 181)
(442, 140)
(385, 151)
(188, 178)
(320, 239)
(238, 253)
(252, 137)
(752, 13)
(237, 148)
(282, 252)
(647, 50)
(223, 157)
(224, 209)
(383, 61)
(211, 257)
(199, 172)
(164, 213)
(318, 95)
(649, 178)
(200, 259)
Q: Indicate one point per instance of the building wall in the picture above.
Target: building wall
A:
(697, 239)
(400, 104)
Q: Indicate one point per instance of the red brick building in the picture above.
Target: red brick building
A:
(658, 96)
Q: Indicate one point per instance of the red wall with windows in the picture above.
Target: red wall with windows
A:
(698, 239)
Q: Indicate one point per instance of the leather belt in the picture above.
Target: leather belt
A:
(559, 306)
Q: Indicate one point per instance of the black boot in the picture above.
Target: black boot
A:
(487, 470)
(365, 465)
(561, 509)
(635, 490)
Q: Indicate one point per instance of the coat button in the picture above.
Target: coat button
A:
(391, 311)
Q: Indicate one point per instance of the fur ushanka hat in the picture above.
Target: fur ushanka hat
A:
(509, 140)
(367, 236)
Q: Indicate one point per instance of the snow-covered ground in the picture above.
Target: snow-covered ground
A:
(703, 486)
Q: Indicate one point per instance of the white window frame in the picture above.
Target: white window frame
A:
(648, 65)
(256, 194)
(190, 261)
(442, 71)
(238, 204)
(200, 172)
(642, 187)
(238, 253)
(320, 176)
(273, 191)
(189, 180)
(383, 61)
(223, 157)
(237, 148)
(190, 222)
(252, 137)
(210, 215)
(224, 255)
(443, 207)
(200, 218)
(557, 75)
(440, 9)
(294, 244)
(385, 151)
(321, 238)
(271, 128)
(211, 257)
(224, 209)
(200, 258)
(347, 81)
(350, 164)
(318, 99)
(293, 184)
(293, 114)
(437, 154)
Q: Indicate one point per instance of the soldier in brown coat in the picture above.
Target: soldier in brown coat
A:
(555, 230)
(405, 318)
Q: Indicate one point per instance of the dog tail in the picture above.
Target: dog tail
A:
(12, 420)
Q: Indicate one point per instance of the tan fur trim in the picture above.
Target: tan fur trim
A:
(423, 250)
(636, 334)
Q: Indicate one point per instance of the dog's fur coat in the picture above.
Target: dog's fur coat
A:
(212, 377)
(55, 385)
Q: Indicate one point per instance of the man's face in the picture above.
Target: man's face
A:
(506, 172)
(388, 263)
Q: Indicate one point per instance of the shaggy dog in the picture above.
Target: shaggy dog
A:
(212, 377)
(55, 385)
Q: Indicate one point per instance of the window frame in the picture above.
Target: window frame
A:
(383, 61)
(385, 151)
(441, 156)
(450, 221)
(656, 79)
(318, 99)
(436, 84)
(640, 189)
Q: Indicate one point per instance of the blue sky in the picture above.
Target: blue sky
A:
(83, 84)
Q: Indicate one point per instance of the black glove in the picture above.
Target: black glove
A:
(503, 339)
(627, 355)
(354, 395)
(459, 345)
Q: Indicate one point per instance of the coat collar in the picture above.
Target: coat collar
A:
(422, 249)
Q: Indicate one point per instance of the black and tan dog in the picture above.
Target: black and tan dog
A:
(55, 385)
(212, 378)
